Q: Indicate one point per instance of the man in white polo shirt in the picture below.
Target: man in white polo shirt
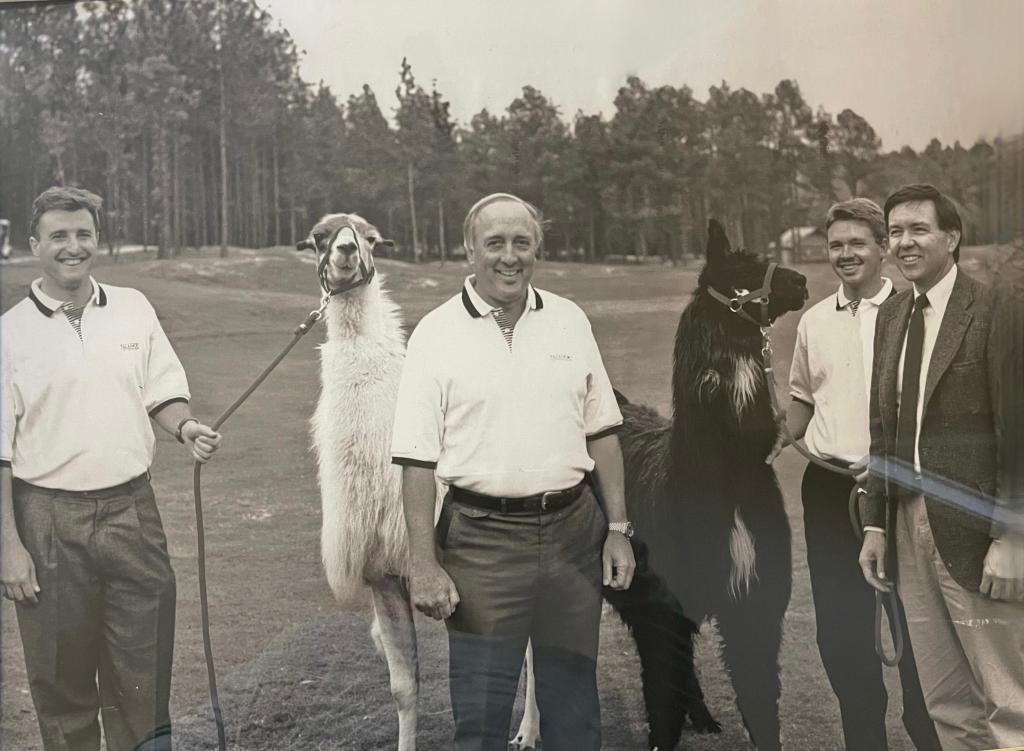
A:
(829, 384)
(86, 367)
(504, 396)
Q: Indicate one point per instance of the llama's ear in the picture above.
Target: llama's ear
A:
(718, 243)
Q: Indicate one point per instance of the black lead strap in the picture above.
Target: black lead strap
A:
(895, 617)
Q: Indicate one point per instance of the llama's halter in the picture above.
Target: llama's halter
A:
(742, 297)
(366, 270)
(895, 625)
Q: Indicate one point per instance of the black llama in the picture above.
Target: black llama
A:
(708, 509)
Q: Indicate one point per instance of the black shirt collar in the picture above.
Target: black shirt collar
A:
(49, 306)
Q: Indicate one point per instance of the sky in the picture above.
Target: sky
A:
(915, 69)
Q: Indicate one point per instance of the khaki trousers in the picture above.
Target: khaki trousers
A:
(969, 647)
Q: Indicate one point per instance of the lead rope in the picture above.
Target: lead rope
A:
(895, 618)
(301, 330)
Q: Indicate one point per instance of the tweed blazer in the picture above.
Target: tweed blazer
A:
(959, 440)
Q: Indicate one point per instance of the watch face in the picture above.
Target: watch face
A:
(629, 529)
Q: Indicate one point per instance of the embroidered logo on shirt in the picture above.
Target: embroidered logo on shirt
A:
(130, 347)
(560, 357)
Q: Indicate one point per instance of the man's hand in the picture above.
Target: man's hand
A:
(433, 591)
(1002, 574)
(618, 562)
(201, 440)
(18, 572)
(872, 560)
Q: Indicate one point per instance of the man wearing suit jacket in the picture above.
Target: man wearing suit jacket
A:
(936, 495)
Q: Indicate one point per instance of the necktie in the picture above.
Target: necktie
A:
(906, 426)
(854, 304)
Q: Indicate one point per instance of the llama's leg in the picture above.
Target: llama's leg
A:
(664, 639)
(750, 648)
(751, 629)
(529, 728)
(397, 638)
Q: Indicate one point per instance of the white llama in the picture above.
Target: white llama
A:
(363, 539)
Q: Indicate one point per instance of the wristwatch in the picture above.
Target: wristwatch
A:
(177, 433)
(624, 528)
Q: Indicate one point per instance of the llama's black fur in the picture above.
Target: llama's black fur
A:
(688, 481)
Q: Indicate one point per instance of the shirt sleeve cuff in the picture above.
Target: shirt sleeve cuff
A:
(166, 403)
(405, 461)
(874, 529)
(604, 432)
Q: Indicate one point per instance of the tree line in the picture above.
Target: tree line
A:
(192, 119)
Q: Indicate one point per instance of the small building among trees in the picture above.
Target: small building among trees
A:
(799, 244)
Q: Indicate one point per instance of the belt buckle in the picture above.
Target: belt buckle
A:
(544, 499)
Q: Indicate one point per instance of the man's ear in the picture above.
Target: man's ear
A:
(954, 237)
(34, 244)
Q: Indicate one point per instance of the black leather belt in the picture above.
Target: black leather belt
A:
(533, 504)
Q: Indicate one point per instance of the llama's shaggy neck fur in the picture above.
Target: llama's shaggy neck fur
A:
(719, 395)
(722, 424)
(364, 313)
(363, 535)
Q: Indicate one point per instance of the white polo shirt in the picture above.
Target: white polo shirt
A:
(497, 418)
(76, 411)
(831, 372)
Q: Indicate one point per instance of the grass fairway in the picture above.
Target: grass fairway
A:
(295, 671)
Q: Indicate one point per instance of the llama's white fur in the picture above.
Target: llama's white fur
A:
(743, 572)
(363, 535)
(363, 538)
(745, 383)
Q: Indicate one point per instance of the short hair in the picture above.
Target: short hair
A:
(945, 209)
(65, 199)
(467, 225)
(859, 210)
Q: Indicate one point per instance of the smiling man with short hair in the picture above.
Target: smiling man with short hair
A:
(936, 454)
(86, 368)
(504, 396)
(829, 381)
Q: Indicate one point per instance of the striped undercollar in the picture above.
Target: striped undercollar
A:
(49, 305)
(477, 307)
(880, 297)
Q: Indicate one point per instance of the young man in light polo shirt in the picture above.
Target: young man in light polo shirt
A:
(86, 367)
(505, 396)
(829, 384)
